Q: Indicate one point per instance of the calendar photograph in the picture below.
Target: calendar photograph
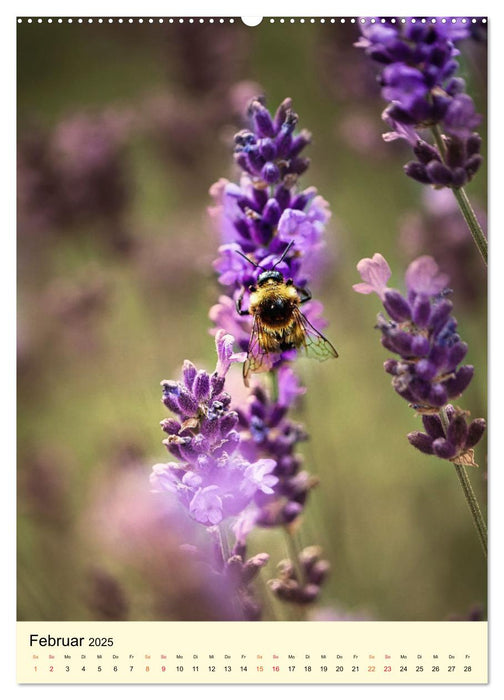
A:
(251, 336)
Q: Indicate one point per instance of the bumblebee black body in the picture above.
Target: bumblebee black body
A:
(274, 305)
(278, 323)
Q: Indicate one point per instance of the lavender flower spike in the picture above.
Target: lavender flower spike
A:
(264, 214)
(456, 445)
(212, 479)
(423, 334)
(419, 82)
(267, 227)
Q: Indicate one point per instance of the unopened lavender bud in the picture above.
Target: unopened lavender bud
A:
(272, 212)
(438, 173)
(281, 113)
(438, 395)
(459, 177)
(228, 422)
(440, 314)
(426, 369)
(170, 426)
(210, 427)
(170, 396)
(252, 567)
(457, 430)
(188, 372)
(319, 572)
(286, 569)
(417, 172)
(201, 386)
(460, 381)
(432, 424)
(188, 404)
(283, 196)
(270, 173)
(425, 152)
(267, 149)
(291, 511)
(299, 165)
(472, 165)
(402, 341)
(421, 311)
(284, 143)
(217, 384)
(420, 346)
(242, 161)
(396, 306)
(300, 141)
(187, 450)
(475, 432)
(391, 366)
(255, 160)
(262, 119)
(308, 593)
(420, 387)
(421, 441)
(456, 354)
(438, 355)
(455, 153)
(309, 555)
(234, 569)
(444, 449)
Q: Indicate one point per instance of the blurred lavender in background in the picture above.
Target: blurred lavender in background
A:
(439, 228)
(75, 174)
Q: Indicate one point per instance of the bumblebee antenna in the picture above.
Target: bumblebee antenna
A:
(249, 260)
(284, 254)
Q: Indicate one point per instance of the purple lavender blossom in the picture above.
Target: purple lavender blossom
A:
(264, 213)
(455, 168)
(213, 480)
(313, 572)
(266, 223)
(457, 443)
(419, 82)
(421, 331)
(265, 430)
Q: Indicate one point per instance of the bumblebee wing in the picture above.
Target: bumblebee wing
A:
(258, 359)
(314, 344)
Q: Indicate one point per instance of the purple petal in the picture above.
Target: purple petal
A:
(225, 356)
(375, 273)
(423, 277)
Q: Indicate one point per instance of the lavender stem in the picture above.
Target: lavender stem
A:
(465, 205)
(293, 554)
(223, 542)
(274, 385)
(469, 494)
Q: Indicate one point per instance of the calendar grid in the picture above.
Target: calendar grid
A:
(291, 652)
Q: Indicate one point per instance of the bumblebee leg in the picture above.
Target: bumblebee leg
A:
(246, 373)
(304, 295)
(242, 312)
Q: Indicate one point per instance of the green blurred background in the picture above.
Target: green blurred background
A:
(114, 290)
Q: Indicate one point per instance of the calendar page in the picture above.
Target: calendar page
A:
(252, 350)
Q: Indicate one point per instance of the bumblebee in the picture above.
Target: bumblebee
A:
(278, 324)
